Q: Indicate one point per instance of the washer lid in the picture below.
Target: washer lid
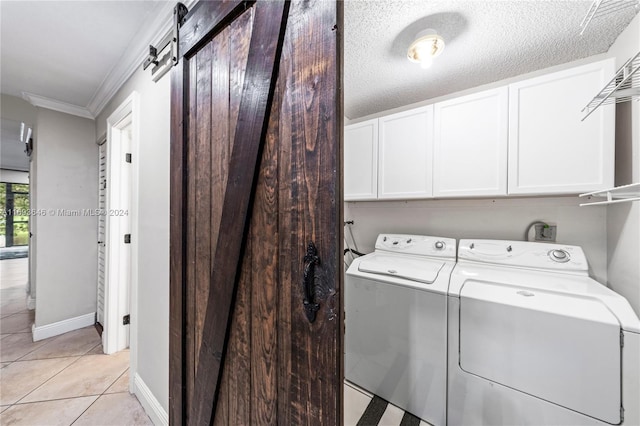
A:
(410, 268)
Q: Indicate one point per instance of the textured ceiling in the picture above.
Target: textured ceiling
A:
(63, 50)
(486, 41)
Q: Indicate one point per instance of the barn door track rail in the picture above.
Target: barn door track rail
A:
(168, 45)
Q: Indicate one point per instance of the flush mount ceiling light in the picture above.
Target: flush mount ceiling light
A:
(427, 45)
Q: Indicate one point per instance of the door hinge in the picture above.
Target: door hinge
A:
(127, 238)
(621, 339)
(126, 319)
(127, 157)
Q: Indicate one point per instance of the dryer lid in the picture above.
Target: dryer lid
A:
(562, 348)
(410, 268)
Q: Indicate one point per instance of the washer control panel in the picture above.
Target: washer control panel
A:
(524, 254)
(421, 245)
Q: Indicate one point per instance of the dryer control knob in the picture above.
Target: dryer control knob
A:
(559, 256)
(439, 245)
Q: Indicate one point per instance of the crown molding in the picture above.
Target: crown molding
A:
(42, 102)
(150, 32)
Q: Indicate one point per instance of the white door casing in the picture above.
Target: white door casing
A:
(123, 130)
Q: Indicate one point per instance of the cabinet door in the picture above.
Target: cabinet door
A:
(470, 145)
(361, 161)
(406, 153)
(551, 150)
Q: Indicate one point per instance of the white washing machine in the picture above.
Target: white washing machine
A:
(396, 322)
(534, 341)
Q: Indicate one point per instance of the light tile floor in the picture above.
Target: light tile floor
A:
(62, 380)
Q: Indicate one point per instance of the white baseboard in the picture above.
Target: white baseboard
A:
(154, 410)
(64, 326)
(31, 302)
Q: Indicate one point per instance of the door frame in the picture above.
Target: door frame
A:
(113, 336)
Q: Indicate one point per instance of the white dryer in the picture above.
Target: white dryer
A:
(395, 314)
(534, 341)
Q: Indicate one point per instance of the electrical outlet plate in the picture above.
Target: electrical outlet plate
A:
(545, 233)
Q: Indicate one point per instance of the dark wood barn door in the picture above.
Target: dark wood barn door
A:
(256, 311)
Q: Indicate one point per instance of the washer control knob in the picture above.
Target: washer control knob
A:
(439, 245)
(559, 255)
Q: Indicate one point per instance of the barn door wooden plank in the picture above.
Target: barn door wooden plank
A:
(259, 83)
(237, 373)
(310, 199)
(220, 153)
(205, 19)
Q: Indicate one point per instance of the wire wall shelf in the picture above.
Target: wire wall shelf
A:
(600, 8)
(619, 194)
(624, 87)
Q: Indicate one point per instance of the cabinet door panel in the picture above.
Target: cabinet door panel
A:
(551, 150)
(406, 154)
(361, 161)
(470, 145)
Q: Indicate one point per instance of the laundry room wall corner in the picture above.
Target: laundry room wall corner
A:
(623, 220)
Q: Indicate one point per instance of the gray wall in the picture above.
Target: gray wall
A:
(505, 219)
(623, 220)
(66, 255)
(153, 227)
(17, 109)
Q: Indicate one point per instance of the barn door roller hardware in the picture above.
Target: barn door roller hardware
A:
(168, 45)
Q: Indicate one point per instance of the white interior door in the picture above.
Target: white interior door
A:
(102, 231)
(117, 217)
(125, 226)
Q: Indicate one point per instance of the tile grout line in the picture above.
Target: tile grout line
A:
(98, 396)
(55, 399)
(21, 359)
(42, 346)
(102, 394)
(70, 397)
(46, 381)
(33, 390)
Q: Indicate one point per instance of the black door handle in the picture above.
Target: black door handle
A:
(311, 259)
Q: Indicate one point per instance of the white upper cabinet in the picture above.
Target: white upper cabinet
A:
(361, 161)
(470, 145)
(551, 151)
(406, 154)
